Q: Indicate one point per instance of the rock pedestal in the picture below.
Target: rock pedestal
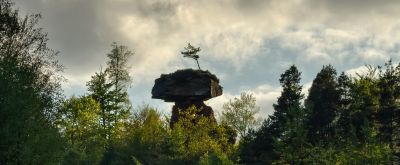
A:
(187, 88)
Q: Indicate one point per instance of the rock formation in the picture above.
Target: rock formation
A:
(187, 88)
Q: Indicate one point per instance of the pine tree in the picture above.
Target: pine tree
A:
(260, 146)
(99, 91)
(109, 88)
(290, 99)
(257, 147)
(293, 146)
(288, 120)
(191, 52)
(389, 111)
(322, 104)
(358, 103)
(119, 81)
(345, 108)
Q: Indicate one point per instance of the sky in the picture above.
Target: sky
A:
(247, 44)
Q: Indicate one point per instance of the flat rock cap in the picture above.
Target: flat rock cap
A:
(187, 84)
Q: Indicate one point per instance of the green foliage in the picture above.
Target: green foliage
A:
(29, 91)
(345, 124)
(293, 145)
(215, 159)
(322, 103)
(344, 120)
(257, 147)
(109, 88)
(146, 138)
(119, 80)
(289, 120)
(195, 135)
(78, 117)
(79, 122)
(183, 74)
(151, 141)
(389, 110)
(284, 131)
(290, 98)
(117, 66)
(240, 113)
(98, 89)
(347, 120)
(363, 106)
(191, 52)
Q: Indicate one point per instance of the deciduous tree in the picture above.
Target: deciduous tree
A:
(29, 91)
(79, 122)
(240, 113)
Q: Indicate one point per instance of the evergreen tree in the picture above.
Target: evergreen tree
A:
(119, 81)
(345, 125)
(292, 146)
(358, 104)
(290, 99)
(389, 111)
(191, 52)
(99, 91)
(288, 119)
(260, 146)
(322, 104)
(257, 147)
(109, 88)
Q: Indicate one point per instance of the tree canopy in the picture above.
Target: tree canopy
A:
(29, 91)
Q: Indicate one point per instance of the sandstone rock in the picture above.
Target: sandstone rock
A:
(186, 85)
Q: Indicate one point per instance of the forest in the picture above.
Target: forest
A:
(343, 119)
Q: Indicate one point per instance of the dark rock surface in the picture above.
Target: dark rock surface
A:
(187, 88)
(186, 85)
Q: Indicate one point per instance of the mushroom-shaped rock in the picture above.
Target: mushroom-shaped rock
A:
(187, 88)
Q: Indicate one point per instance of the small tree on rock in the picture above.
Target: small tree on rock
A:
(191, 52)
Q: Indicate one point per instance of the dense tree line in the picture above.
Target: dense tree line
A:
(344, 120)
(341, 120)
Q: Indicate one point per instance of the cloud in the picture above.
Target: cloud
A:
(247, 44)
(75, 85)
(265, 96)
(235, 45)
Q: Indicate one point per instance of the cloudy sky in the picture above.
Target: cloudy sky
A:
(246, 43)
